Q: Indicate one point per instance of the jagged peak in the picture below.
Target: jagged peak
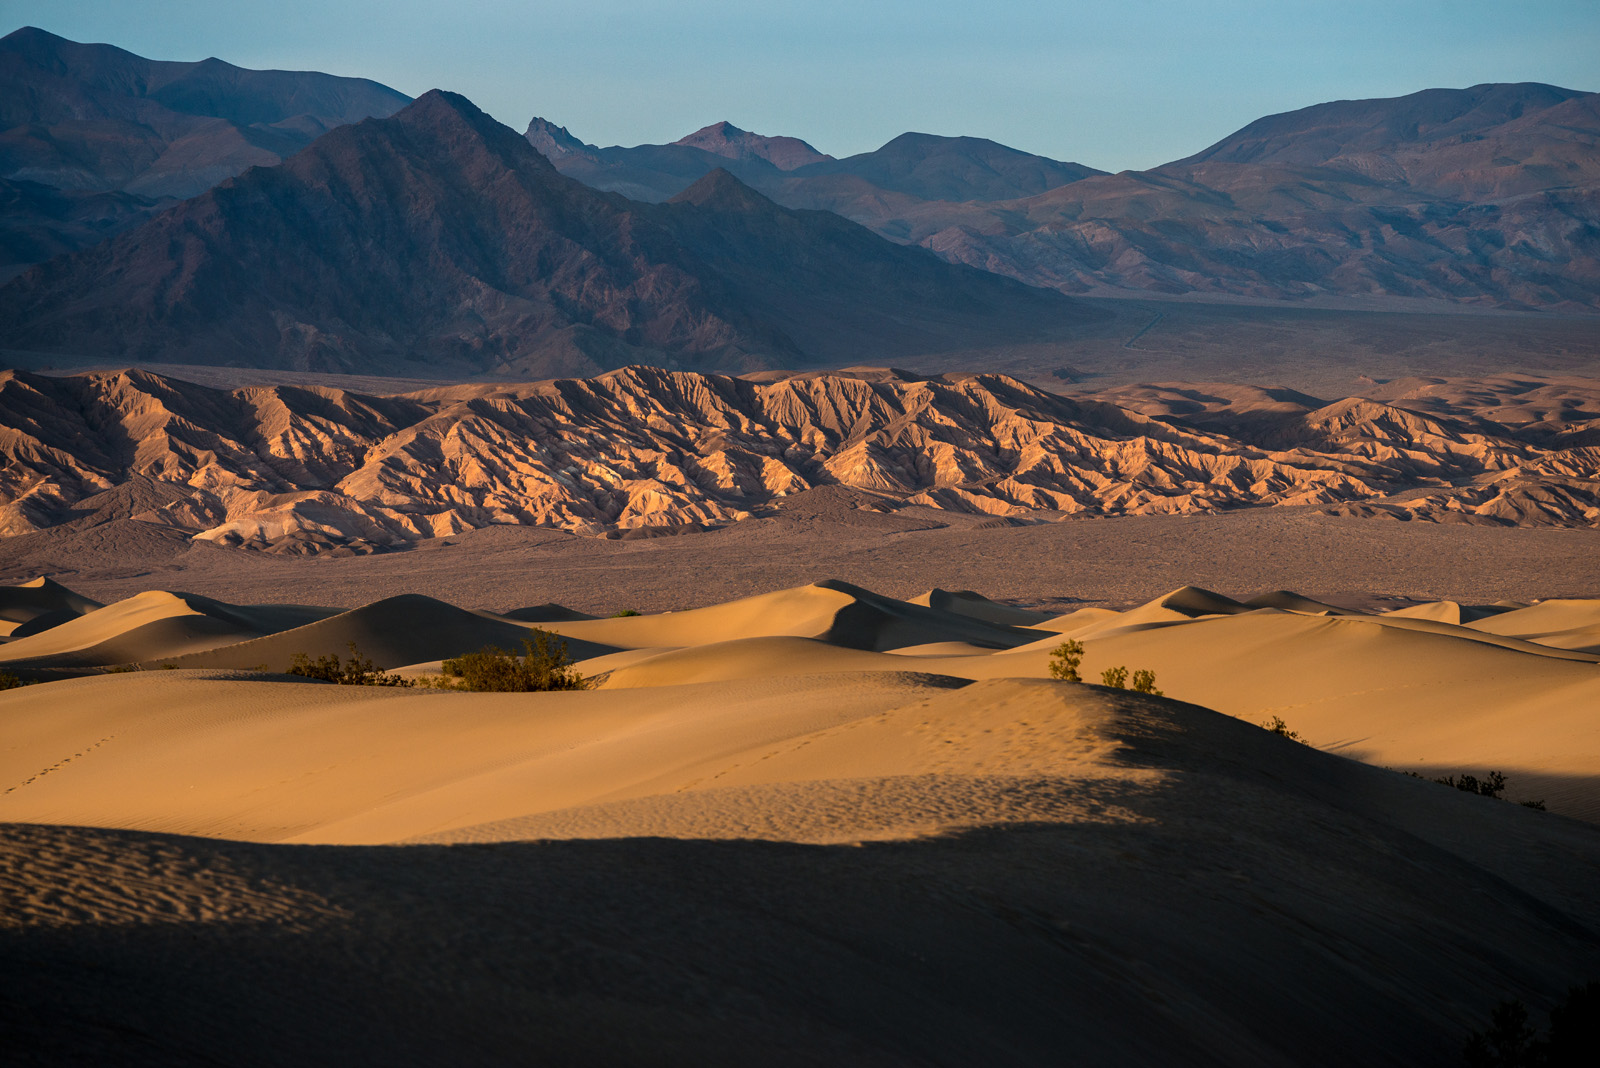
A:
(555, 142)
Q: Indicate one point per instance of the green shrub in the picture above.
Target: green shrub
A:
(1145, 682)
(1277, 726)
(9, 681)
(356, 671)
(1065, 659)
(1115, 677)
(544, 666)
(624, 613)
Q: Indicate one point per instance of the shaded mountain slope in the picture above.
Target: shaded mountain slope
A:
(94, 139)
(95, 117)
(442, 238)
(836, 288)
(932, 167)
(913, 167)
(1488, 195)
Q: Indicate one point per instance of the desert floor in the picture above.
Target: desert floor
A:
(819, 534)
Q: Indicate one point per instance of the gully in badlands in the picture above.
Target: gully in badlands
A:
(479, 597)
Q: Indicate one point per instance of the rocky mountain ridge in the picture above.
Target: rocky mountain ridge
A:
(1486, 196)
(439, 237)
(304, 470)
(124, 136)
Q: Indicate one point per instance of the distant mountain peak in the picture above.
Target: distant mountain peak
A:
(554, 142)
(721, 190)
(448, 116)
(725, 139)
(1313, 135)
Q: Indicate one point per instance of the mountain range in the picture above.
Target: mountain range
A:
(426, 239)
(643, 451)
(439, 238)
(1484, 196)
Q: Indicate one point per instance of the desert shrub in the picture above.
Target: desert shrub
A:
(1115, 677)
(9, 681)
(1277, 726)
(544, 665)
(1511, 1042)
(1507, 1042)
(1493, 786)
(356, 671)
(624, 613)
(1145, 682)
(1065, 659)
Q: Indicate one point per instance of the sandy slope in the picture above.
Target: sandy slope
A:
(151, 626)
(1146, 882)
(794, 829)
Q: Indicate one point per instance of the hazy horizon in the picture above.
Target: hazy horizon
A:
(1132, 88)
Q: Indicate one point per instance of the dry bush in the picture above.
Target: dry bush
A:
(356, 671)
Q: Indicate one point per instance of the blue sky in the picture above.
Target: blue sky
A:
(1124, 84)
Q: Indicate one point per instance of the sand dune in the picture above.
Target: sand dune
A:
(954, 858)
(1544, 621)
(195, 752)
(1289, 601)
(152, 626)
(1446, 612)
(970, 603)
(831, 611)
(1400, 689)
(39, 601)
(1012, 872)
(400, 630)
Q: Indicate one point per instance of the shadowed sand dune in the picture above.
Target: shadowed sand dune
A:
(152, 626)
(818, 825)
(395, 631)
(969, 603)
(39, 599)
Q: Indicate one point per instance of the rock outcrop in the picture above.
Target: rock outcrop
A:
(300, 470)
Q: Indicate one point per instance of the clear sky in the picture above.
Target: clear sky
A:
(1114, 84)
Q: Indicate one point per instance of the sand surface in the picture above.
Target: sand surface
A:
(815, 825)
